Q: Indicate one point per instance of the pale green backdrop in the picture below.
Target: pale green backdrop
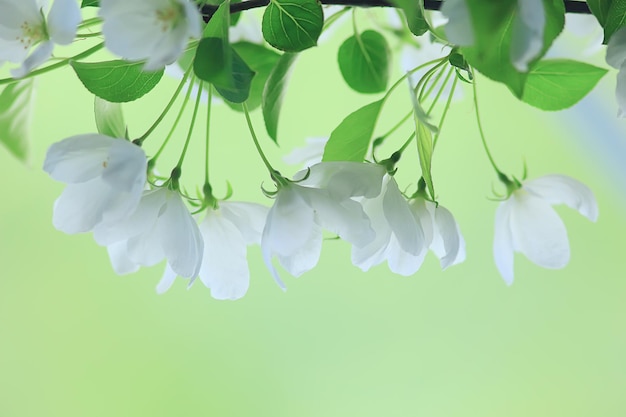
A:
(77, 340)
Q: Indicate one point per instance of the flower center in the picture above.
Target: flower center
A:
(31, 34)
(168, 17)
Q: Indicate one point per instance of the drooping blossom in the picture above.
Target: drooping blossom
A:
(226, 232)
(24, 25)
(322, 199)
(527, 223)
(616, 57)
(105, 178)
(153, 30)
(160, 228)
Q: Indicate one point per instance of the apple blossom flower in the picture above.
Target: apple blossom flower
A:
(154, 30)
(442, 234)
(105, 178)
(309, 154)
(226, 232)
(616, 57)
(459, 29)
(160, 227)
(23, 26)
(399, 238)
(320, 198)
(526, 222)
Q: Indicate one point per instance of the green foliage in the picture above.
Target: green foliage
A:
(425, 152)
(615, 18)
(414, 12)
(600, 9)
(492, 24)
(364, 62)
(116, 81)
(274, 92)
(260, 60)
(560, 83)
(218, 63)
(109, 118)
(350, 140)
(90, 3)
(292, 25)
(15, 117)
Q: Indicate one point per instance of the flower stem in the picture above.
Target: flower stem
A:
(482, 134)
(56, 65)
(208, 130)
(176, 172)
(443, 86)
(176, 121)
(256, 141)
(169, 105)
(445, 111)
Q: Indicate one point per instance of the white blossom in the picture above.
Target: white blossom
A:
(527, 223)
(309, 154)
(527, 33)
(105, 178)
(153, 30)
(399, 238)
(293, 230)
(161, 227)
(23, 26)
(226, 232)
(459, 28)
(616, 57)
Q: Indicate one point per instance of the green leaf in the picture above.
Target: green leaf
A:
(90, 3)
(260, 60)
(600, 9)
(16, 111)
(350, 140)
(274, 92)
(557, 84)
(364, 62)
(615, 19)
(425, 152)
(492, 24)
(116, 81)
(237, 89)
(109, 118)
(414, 12)
(292, 25)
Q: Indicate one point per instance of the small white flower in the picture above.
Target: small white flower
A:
(616, 57)
(526, 222)
(293, 230)
(399, 238)
(459, 28)
(161, 227)
(442, 233)
(226, 232)
(154, 30)
(105, 178)
(23, 26)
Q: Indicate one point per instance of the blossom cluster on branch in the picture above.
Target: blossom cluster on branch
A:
(346, 190)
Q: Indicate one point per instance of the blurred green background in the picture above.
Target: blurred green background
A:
(77, 340)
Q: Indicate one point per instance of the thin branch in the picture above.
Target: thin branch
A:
(571, 6)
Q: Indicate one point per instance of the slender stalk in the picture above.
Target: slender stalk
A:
(56, 65)
(397, 126)
(443, 86)
(190, 131)
(445, 111)
(482, 134)
(167, 107)
(256, 141)
(208, 130)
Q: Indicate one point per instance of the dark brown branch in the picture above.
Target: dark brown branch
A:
(571, 6)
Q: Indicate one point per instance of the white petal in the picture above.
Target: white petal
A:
(79, 208)
(616, 49)
(119, 259)
(180, 237)
(309, 154)
(249, 218)
(561, 189)
(402, 262)
(304, 258)
(38, 57)
(345, 179)
(193, 19)
(404, 226)
(374, 252)
(224, 266)
(346, 218)
(63, 20)
(78, 158)
(538, 231)
(459, 27)
(169, 276)
(527, 33)
(448, 243)
(503, 242)
(126, 167)
(620, 91)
